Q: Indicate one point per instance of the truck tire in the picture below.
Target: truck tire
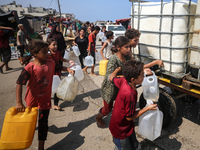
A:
(166, 104)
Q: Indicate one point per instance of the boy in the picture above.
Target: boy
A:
(91, 47)
(124, 111)
(21, 41)
(133, 35)
(107, 46)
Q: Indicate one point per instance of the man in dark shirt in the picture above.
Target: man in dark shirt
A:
(5, 50)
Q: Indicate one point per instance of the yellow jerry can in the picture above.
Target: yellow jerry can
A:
(18, 128)
(102, 67)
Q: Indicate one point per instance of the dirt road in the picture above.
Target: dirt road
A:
(75, 127)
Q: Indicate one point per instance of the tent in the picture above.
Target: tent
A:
(124, 22)
(10, 19)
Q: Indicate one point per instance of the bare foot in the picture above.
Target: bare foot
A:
(100, 123)
(93, 74)
(57, 107)
(84, 70)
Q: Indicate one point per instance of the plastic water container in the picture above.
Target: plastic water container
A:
(102, 67)
(177, 25)
(89, 61)
(66, 55)
(68, 88)
(150, 87)
(55, 84)
(18, 128)
(150, 123)
(78, 72)
(76, 50)
(98, 57)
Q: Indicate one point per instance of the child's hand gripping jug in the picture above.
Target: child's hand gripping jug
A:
(150, 123)
(150, 87)
(18, 128)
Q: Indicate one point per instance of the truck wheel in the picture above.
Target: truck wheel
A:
(166, 104)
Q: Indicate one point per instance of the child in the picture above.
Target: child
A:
(21, 41)
(124, 111)
(55, 55)
(103, 38)
(133, 35)
(107, 46)
(91, 48)
(39, 75)
(108, 89)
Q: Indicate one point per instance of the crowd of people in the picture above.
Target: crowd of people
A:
(122, 75)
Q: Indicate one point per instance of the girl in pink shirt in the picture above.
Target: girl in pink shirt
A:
(39, 75)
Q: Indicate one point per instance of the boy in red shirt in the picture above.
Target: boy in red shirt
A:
(91, 47)
(124, 111)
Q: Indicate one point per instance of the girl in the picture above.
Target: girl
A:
(108, 89)
(107, 46)
(58, 36)
(56, 56)
(82, 43)
(39, 75)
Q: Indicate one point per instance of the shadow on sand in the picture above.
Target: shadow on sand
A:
(79, 103)
(73, 140)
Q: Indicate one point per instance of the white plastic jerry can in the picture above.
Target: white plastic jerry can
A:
(76, 50)
(150, 87)
(89, 61)
(150, 123)
(66, 55)
(78, 72)
(55, 84)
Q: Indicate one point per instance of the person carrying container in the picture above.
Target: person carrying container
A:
(124, 111)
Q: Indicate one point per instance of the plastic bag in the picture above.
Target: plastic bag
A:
(76, 50)
(55, 84)
(68, 88)
(150, 123)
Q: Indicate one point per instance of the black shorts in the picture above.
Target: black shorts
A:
(92, 53)
(21, 49)
(5, 54)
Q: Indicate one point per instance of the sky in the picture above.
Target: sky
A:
(85, 10)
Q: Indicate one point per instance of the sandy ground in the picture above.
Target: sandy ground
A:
(75, 127)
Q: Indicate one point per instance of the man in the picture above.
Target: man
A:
(5, 50)
(92, 48)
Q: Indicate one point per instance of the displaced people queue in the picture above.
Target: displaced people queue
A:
(123, 73)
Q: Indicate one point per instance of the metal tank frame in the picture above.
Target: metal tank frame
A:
(179, 88)
(171, 33)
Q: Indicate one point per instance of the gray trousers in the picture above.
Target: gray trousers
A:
(130, 143)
